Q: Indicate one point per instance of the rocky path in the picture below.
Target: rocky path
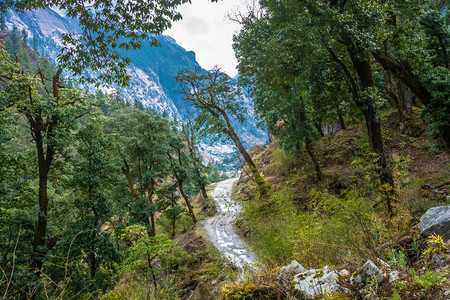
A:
(221, 231)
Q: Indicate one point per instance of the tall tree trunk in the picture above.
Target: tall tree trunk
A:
(41, 230)
(186, 199)
(308, 143)
(341, 119)
(361, 63)
(45, 159)
(261, 183)
(403, 72)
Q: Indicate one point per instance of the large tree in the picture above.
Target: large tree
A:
(217, 98)
(50, 111)
(292, 36)
(143, 150)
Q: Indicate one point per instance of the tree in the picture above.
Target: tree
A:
(180, 168)
(94, 173)
(24, 37)
(2, 21)
(216, 97)
(416, 52)
(300, 30)
(168, 197)
(50, 115)
(188, 131)
(143, 150)
(106, 26)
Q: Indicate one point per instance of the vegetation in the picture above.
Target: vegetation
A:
(218, 99)
(98, 197)
(81, 179)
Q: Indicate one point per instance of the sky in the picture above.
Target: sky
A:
(206, 30)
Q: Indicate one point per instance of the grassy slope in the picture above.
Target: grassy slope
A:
(342, 221)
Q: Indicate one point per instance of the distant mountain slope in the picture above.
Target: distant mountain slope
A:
(152, 69)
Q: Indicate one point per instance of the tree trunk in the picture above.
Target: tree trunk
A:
(341, 119)
(361, 63)
(404, 73)
(186, 199)
(308, 143)
(45, 160)
(262, 185)
(41, 230)
(126, 172)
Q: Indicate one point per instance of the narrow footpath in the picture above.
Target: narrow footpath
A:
(221, 231)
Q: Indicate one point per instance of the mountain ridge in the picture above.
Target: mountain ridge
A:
(152, 70)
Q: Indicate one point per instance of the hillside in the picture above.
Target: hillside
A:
(340, 221)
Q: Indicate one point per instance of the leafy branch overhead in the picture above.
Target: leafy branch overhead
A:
(105, 27)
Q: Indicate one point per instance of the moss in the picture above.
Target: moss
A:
(318, 274)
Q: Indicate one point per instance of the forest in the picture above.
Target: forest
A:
(101, 198)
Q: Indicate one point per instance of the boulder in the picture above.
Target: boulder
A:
(363, 280)
(314, 282)
(439, 260)
(436, 221)
(287, 273)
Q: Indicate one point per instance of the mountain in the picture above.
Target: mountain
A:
(152, 69)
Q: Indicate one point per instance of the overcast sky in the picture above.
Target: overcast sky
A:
(206, 30)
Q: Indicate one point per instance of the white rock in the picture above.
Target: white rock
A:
(436, 220)
(286, 273)
(314, 282)
(363, 279)
(393, 276)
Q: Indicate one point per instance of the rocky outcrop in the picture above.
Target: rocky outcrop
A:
(368, 278)
(287, 273)
(436, 221)
(314, 282)
(367, 281)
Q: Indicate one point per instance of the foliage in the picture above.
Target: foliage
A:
(106, 27)
(420, 285)
(218, 99)
(435, 245)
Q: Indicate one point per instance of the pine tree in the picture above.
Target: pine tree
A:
(2, 21)
(24, 37)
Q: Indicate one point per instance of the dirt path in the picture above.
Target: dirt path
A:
(221, 231)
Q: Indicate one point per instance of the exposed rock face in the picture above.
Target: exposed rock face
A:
(436, 221)
(287, 273)
(363, 279)
(314, 282)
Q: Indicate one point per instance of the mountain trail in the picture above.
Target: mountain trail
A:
(221, 231)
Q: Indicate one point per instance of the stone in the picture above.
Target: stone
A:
(314, 282)
(286, 273)
(363, 279)
(344, 273)
(436, 221)
(439, 260)
(393, 276)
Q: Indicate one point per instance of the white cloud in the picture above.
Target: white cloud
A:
(206, 30)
